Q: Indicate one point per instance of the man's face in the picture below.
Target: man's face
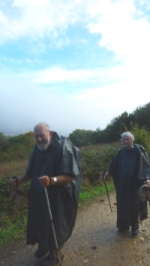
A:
(127, 142)
(42, 137)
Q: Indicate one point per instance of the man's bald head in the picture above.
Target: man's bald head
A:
(42, 125)
(42, 134)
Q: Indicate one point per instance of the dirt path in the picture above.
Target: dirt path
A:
(95, 241)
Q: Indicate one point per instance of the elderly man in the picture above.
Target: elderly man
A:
(54, 164)
(130, 169)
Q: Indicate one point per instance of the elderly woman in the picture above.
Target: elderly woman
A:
(130, 169)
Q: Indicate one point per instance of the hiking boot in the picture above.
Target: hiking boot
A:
(134, 230)
(50, 261)
(39, 253)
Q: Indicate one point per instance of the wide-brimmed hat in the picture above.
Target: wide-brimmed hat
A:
(144, 193)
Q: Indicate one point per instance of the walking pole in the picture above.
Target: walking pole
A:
(106, 190)
(52, 224)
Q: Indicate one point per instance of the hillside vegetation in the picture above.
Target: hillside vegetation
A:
(125, 122)
(98, 148)
(19, 147)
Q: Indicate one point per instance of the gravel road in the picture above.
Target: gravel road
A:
(95, 241)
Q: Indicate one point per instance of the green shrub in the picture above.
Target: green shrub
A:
(96, 161)
(6, 206)
(142, 137)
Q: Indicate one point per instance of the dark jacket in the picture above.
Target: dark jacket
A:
(129, 168)
(61, 157)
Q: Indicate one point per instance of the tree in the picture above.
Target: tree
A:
(18, 147)
(142, 116)
(81, 137)
(3, 142)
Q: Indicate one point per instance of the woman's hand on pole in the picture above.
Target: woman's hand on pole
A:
(105, 175)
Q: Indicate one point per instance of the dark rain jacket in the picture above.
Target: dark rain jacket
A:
(129, 168)
(61, 158)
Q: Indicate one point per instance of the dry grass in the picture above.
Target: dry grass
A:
(13, 168)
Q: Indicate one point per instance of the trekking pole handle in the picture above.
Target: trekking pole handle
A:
(15, 178)
(104, 175)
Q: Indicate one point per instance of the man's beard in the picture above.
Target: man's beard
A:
(46, 145)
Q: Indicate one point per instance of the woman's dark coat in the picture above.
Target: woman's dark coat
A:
(129, 168)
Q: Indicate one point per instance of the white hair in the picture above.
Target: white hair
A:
(127, 134)
(42, 124)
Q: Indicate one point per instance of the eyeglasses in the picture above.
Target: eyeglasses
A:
(126, 140)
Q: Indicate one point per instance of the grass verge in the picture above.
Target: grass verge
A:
(12, 228)
(88, 193)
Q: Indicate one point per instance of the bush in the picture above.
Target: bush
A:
(96, 161)
(6, 206)
(142, 137)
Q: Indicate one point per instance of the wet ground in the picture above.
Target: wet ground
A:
(95, 241)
